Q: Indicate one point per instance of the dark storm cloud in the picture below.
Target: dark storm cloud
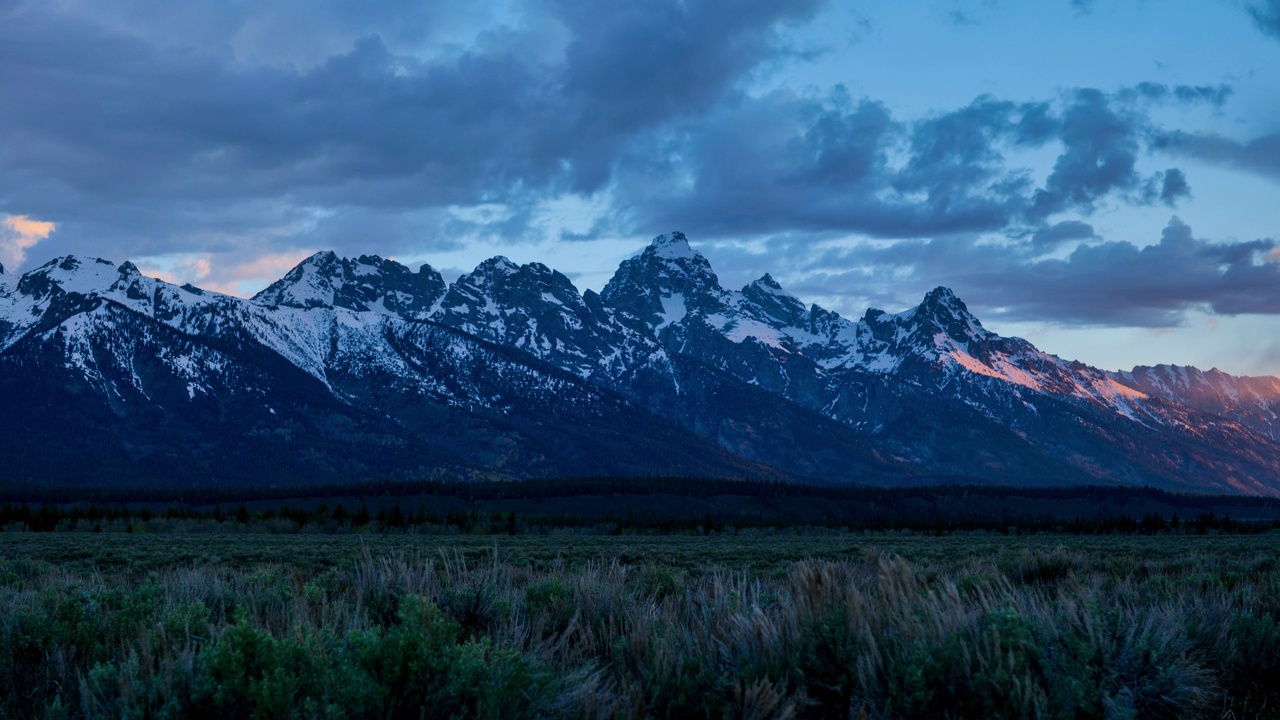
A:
(1174, 187)
(1266, 15)
(1065, 231)
(1260, 155)
(633, 66)
(1097, 284)
(155, 138)
(1118, 283)
(786, 162)
(123, 137)
(1101, 156)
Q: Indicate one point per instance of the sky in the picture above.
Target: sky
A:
(1101, 177)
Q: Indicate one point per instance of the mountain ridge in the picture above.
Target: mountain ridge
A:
(754, 380)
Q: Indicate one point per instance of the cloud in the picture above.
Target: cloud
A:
(298, 33)
(222, 141)
(1173, 186)
(826, 162)
(1101, 155)
(1063, 232)
(632, 66)
(144, 140)
(19, 233)
(1118, 283)
(1266, 15)
(1108, 283)
(1215, 96)
(1260, 155)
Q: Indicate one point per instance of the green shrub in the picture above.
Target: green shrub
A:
(943, 630)
(661, 581)
(1252, 666)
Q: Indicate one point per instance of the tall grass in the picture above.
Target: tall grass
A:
(1041, 633)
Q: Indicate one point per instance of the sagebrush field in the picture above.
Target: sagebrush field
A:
(571, 625)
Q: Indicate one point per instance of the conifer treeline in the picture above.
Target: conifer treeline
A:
(930, 488)
(23, 517)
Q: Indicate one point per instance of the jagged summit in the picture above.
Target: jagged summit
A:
(365, 283)
(673, 249)
(69, 274)
(498, 282)
(672, 246)
(941, 309)
(773, 304)
(497, 263)
(940, 312)
(664, 283)
(942, 301)
(942, 295)
(765, 281)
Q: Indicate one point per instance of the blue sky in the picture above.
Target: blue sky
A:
(1100, 177)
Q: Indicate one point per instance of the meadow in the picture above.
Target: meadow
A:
(764, 624)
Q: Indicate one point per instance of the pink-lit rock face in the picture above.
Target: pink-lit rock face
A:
(1253, 402)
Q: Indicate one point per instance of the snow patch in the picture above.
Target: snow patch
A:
(673, 310)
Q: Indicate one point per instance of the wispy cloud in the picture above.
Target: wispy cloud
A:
(1266, 15)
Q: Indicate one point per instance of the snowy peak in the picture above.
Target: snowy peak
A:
(367, 283)
(941, 309)
(765, 283)
(481, 287)
(498, 285)
(774, 303)
(941, 322)
(493, 271)
(682, 261)
(666, 282)
(674, 246)
(538, 310)
(70, 274)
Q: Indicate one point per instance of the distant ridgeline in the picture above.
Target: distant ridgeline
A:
(357, 370)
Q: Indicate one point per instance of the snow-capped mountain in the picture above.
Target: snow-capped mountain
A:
(165, 384)
(360, 369)
(538, 310)
(1252, 401)
(367, 283)
(877, 374)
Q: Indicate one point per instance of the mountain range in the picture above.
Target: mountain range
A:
(361, 369)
